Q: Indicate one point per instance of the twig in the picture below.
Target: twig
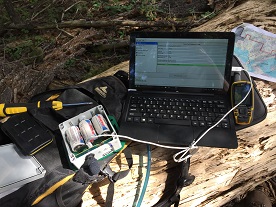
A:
(34, 16)
(4, 51)
(21, 59)
(62, 15)
(62, 30)
(58, 36)
(205, 17)
(15, 91)
(4, 57)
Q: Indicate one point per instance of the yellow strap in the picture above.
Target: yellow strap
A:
(52, 189)
(53, 97)
(42, 146)
(2, 114)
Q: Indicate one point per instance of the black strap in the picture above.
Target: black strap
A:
(110, 194)
(114, 176)
(59, 197)
(172, 197)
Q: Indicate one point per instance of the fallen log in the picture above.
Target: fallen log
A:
(221, 175)
(103, 24)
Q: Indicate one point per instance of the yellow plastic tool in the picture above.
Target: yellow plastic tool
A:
(15, 108)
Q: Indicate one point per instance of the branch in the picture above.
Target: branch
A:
(70, 8)
(100, 24)
(35, 15)
(62, 30)
(121, 44)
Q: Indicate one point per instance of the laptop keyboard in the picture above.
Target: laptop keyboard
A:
(178, 111)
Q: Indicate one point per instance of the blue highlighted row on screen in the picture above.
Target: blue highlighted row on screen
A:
(146, 43)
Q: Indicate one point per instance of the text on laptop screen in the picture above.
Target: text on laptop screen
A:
(172, 62)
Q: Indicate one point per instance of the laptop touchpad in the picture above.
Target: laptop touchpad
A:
(175, 134)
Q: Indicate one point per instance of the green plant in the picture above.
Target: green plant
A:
(117, 6)
(23, 12)
(25, 31)
(122, 34)
(192, 11)
(14, 53)
(97, 5)
(17, 52)
(54, 13)
(148, 8)
(38, 39)
(27, 51)
(71, 62)
(208, 15)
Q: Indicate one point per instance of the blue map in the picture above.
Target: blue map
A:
(256, 50)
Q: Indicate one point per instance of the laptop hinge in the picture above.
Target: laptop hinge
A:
(177, 93)
(172, 93)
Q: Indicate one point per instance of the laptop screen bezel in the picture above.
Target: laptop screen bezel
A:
(230, 36)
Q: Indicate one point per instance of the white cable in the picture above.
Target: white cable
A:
(193, 144)
(141, 141)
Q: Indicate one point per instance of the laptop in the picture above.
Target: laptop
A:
(178, 88)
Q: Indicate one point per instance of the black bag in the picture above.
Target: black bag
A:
(62, 186)
(109, 91)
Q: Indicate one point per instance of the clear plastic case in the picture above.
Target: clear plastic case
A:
(17, 169)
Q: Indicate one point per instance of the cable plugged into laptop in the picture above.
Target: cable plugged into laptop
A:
(187, 152)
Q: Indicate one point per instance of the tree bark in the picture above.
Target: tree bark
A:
(259, 13)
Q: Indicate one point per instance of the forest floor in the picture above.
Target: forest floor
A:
(51, 44)
(35, 39)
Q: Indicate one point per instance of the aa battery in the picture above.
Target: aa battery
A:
(74, 138)
(87, 131)
(100, 124)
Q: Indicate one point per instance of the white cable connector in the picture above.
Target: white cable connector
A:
(237, 69)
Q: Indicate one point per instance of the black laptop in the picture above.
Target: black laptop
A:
(178, 88)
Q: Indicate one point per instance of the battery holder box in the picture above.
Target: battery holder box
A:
(102, 147)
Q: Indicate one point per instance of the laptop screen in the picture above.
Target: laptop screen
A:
(179, 61)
